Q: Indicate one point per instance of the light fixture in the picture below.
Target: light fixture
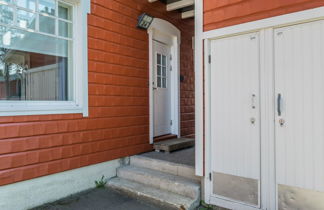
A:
(144, 21)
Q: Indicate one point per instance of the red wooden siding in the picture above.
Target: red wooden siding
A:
(118, 125)
(221, 13)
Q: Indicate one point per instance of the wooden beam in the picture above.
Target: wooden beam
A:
(180, 4)
(188, 14)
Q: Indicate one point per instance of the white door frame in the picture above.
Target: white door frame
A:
(164, 32)
(265, 27)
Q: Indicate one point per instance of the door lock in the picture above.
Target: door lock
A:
(252, 120)
(282, 122)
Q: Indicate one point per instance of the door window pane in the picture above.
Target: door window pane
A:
(164, 60)
(47, 6)
(6, 14)
(164, 82)
(26, 19)
(28, 4)
(159, 59)
(46, 24)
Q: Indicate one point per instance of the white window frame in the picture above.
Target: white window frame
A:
(79, 102)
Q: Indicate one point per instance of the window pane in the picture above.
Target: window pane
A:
(47, 6)
(164, 71)
(33, 73)
(46, 24)
(8, 1)
(6, 14)
(159, 59)
(158, 70)
(164, 60)
(28, 4)
(26, 19)
(164, 82)
(159, 82)
(65, 29)
(64, 11)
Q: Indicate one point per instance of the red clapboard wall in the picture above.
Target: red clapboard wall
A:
(118, 124)
(221, 13)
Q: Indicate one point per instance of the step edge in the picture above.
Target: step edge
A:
(193, 203)
(190, 188)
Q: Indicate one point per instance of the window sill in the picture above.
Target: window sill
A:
(19, 108)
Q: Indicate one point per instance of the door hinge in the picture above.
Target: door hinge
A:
(209, 59)
(171, 57)
(170, 68)
(170, 122)
(210, 176)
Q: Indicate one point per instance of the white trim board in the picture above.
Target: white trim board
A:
(199, 94)
(163, 31)
(265, 27)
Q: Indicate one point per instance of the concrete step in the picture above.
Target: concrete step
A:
(164, 198)
(173, 144)
(161, 180)
(164, 166)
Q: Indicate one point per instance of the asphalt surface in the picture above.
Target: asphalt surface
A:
(99, 199)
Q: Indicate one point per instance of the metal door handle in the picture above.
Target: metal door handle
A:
(279, 104)
(253, 101)
(154, 88)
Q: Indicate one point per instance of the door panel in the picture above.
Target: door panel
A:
(162, 88)
(299, 79)
(235, 118)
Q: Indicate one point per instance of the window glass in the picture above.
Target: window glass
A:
(26, 19)
(34, 66)
(28, 4)
(65, 29)
(46, 24)
(64, 11)
(6, 14)
(47, 6)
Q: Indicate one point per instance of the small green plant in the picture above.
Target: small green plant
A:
(101, 183)
(205, 206)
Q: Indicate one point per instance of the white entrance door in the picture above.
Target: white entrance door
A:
(162, 89)
(299, 86)
(235, 119)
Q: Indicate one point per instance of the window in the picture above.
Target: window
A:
(39, 54)
(161, 76)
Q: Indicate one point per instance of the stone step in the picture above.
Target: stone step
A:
(161, 180)
(166, 199)
(174, 144)
(164, 166)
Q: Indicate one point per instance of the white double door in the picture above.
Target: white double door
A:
(162, 89)
(235, 121)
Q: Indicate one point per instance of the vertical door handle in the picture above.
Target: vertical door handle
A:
(279, 104)
(253, 101)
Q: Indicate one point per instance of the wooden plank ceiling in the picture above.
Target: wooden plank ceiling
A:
(186, 7)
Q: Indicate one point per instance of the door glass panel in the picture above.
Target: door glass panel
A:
(159, 59)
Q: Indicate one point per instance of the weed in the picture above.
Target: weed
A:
(101, 183)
